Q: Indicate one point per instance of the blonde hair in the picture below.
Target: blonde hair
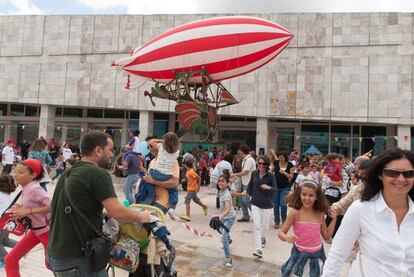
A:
(272, 155)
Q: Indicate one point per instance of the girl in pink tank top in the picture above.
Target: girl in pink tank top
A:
(309, 206)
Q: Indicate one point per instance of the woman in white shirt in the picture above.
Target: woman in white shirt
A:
(382, 222)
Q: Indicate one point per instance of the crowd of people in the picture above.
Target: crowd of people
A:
(364, 208)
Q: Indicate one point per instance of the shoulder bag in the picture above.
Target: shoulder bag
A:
(96, 250)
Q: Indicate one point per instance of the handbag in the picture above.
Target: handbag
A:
(125, 254)
(96, 250)
(13, 225)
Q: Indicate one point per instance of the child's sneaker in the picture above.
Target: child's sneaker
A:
(229, 263)
(185, 217)
(205, 209)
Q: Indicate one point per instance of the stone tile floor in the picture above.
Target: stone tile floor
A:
(198, 256)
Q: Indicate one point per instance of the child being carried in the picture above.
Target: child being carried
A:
(162, 171)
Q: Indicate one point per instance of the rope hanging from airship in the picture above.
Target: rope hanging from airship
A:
(188, 63)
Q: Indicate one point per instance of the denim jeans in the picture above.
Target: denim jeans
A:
(73, 267)
(129, 183)
(225, 236)
(59, 172)
(245, 206)
(279, 204)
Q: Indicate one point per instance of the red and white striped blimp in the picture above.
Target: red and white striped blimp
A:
(225, 47)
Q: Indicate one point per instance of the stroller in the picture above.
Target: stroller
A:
(141, 237)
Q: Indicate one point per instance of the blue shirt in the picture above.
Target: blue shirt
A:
(134, 162)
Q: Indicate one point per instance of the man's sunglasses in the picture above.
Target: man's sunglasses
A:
(395, 173)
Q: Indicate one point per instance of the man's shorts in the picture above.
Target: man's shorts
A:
(191, 195)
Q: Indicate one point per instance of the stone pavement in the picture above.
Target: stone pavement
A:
(199, 256)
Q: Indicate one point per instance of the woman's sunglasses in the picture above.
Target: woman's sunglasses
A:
(261, 163)
(395, 173)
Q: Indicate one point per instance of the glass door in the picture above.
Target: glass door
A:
(285, 140)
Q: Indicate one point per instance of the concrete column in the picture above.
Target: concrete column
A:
(146, 123)
(47, 121)
(171, 122)
(262, 134)
(404, 136)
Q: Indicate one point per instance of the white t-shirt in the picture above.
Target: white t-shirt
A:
(248, 164)
(8, 153)
(165, 160)
(67, 154)
(5, 201)
(299, 180)
(218, 170)
(136, 147)
(315, 175)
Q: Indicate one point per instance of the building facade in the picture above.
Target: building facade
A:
(344, 84)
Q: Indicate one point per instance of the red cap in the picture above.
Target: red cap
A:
(35, 166)
(10, 141)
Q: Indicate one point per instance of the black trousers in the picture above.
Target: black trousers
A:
(7, 169)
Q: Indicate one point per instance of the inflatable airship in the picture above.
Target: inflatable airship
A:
(188, 63)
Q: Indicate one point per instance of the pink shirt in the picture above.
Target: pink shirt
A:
(309, 235)
(33, 196)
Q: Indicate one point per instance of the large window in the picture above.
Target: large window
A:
(373, 139)
(114, 114)
(58, 135)
(29, 132)
(412, 138)
(285, 140)
(73, 135)
(17, 110)
(236, 137)
(340, 140)
(115, 133)
(3, 109)
(355, 142)
(32, 110)
(134, 115)
(160, 128)
(95, 113)
(72, 112)
(316, 135)
(59, 112)
(2, 127)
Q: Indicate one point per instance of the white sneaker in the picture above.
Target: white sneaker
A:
(229, 263)
(173, 215)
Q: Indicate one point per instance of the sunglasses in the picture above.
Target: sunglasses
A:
(395, 173)
(261, 163)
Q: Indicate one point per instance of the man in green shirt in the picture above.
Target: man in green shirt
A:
(90, 189)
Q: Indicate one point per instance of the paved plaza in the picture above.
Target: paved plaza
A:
(198, 256)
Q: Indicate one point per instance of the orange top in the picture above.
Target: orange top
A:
(192, 180)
